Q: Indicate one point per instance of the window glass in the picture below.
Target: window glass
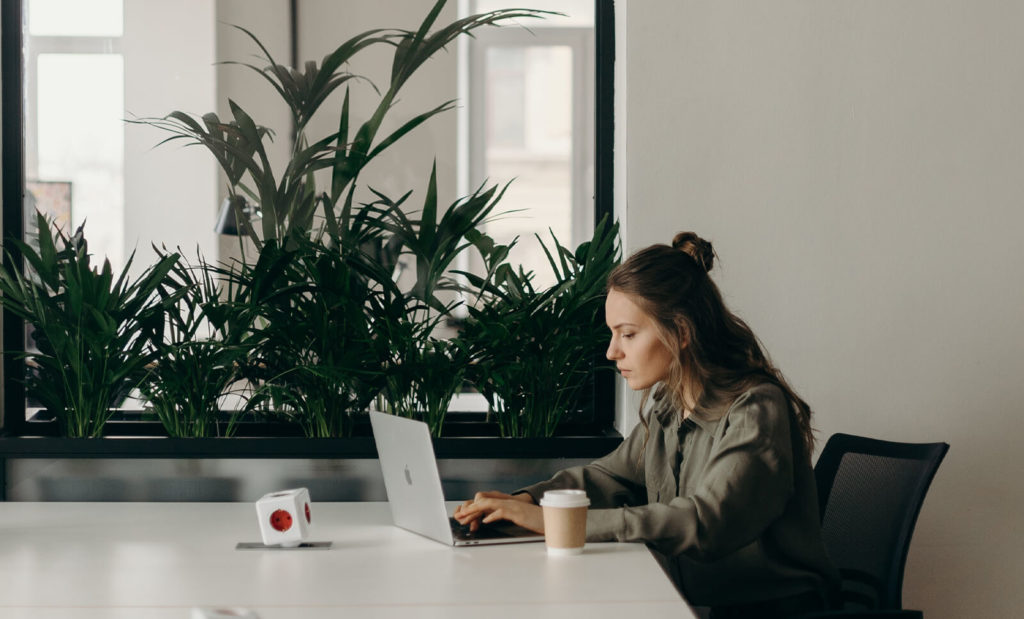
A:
(531, 100)
(528, 123)
(577, 12)
(532, 103)
(81, 140)
(76, 18)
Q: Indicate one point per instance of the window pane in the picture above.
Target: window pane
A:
(81, 141)
(506, 91)
(577, 12)
(95, 18)
(528, 124)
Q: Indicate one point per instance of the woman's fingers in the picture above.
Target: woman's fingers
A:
(498, 514)
(465, 513)
(480, 502)
(489, 507)
(472, 510)
(519, 512)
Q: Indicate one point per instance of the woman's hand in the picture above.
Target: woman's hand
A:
(491, 506)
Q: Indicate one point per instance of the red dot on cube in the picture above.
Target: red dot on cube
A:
(308, 518)
(281, 520)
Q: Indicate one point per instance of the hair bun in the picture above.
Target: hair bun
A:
(697, 248)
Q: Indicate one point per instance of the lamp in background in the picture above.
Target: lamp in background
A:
(231, 209)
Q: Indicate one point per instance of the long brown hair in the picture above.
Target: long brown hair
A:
(718, 357)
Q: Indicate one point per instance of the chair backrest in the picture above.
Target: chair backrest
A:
(870, 493)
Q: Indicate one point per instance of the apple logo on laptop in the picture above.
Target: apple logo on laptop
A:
(408, 475)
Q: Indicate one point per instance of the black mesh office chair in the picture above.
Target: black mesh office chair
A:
(870, 493)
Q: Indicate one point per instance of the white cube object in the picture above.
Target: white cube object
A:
(285, 517)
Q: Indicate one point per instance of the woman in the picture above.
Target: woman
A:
(718, 475)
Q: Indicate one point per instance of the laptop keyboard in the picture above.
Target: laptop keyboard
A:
(493, 530)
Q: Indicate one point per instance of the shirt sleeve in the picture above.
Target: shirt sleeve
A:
(746, 484)
(612, 481)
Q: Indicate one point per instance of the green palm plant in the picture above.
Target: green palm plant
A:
(288, 202)
(94, 335)
(423, 377)
(424, 372)
(326, 324)
(534, 351)
(199, 356)
(412, 49)
(421, 373)
(315, 356)
(434, 243)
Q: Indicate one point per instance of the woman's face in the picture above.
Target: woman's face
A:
(639, 355)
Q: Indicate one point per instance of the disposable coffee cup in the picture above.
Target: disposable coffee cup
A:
(565, 521)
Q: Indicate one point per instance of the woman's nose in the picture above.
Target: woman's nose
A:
(613, 351)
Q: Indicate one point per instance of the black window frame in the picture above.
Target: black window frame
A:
(12, 415)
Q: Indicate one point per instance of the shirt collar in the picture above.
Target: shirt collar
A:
(670, 417)
(702, 422)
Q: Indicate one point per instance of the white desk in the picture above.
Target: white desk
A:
(158, 560)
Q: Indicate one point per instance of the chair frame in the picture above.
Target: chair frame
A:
(826, 469)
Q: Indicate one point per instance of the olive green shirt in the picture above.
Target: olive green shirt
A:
(728, 494)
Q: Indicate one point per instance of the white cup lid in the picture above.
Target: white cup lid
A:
(565, 498)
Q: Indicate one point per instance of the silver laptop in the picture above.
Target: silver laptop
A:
(414, 489)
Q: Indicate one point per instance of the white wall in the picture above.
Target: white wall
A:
(168, 189)
(268, 21)
(858, 166)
